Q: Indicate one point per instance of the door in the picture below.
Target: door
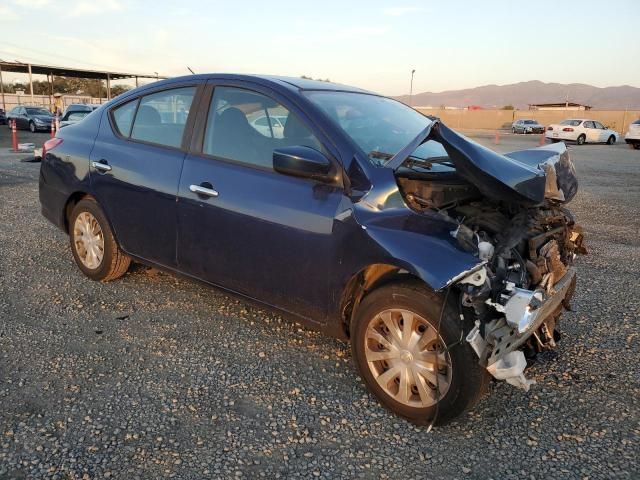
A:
(593, 134)
(603, 133)
(22, 118)
(247, 228)
(135, 170)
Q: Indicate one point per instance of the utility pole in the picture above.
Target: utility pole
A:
(411, 88)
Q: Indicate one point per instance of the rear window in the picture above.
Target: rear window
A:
(637, 122)
(573, 123)
(123, 117)
(162, 116)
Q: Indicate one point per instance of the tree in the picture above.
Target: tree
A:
(68, 86)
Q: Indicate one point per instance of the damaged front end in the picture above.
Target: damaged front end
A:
(509, 211)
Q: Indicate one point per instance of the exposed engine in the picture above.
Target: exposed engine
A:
(516, 298)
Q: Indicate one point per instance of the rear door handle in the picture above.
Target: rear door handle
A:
(103, 167)
(204, 189)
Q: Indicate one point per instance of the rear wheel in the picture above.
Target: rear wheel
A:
(611, 140)
(581, 139)
(411, 361)
(93, 245)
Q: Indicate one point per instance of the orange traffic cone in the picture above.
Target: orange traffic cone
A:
(14, 136)
(53, 129)
(542, 139)
(497, 139)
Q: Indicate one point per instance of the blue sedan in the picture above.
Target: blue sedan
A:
(443, 262)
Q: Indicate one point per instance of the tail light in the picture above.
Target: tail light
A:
(50, 145)
(567, 129)
(549, 128)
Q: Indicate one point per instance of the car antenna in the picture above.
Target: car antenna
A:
(189, 68)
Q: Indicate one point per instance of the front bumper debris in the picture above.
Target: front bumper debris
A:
(525, 312)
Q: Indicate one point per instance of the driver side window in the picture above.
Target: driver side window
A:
(246, 127)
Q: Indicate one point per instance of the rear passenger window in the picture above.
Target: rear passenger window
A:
(123, 117)
(161, 117)
(246, 126)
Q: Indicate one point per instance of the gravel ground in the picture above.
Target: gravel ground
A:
(156, 376)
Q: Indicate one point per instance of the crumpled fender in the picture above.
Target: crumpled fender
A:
(419, 243)
(433, 259)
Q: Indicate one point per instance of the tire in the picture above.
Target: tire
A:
(581, 139)
(32, 127)
(636, 146)
(611, 140)
(462, 378)
(554, 140)
(513, 130)
(113, 263)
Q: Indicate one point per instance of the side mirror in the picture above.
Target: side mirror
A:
(301, 161)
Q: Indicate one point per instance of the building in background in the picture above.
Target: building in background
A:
(559, 106)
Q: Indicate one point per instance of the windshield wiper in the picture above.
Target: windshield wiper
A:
(414, 160)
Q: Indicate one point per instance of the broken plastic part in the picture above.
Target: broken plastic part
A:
(511, 368)
(485, 250)
(476, 278)
(476, 341)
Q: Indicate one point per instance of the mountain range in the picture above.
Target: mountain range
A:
(520, 95)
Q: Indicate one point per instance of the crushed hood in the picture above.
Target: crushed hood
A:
(526, 177)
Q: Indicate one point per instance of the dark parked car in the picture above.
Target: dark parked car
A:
(442, 261)
(3, 117)
(31, 118)
(527, 126)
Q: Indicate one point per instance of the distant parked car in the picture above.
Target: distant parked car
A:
(3, 117)
(526, 126)
(581, 131)
(633, 135)
(73, 116)
(261, 124)
(79, 107)
(31, 118)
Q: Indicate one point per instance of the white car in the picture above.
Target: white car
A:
(581, 130)
(261, 124)
(633, 135)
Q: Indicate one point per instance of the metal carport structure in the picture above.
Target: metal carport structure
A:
(53, 71)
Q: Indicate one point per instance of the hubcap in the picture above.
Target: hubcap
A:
(407, 358)
(88, 240)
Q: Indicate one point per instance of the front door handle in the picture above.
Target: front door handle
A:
(103, 167)
(204, 189)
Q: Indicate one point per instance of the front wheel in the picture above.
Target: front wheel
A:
(581, 139)
(32, 127)
(636, 146)
(411, 361)
(93, 245)
(611, 140)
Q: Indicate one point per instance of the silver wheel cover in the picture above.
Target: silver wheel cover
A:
(88, 240)
(402, 349)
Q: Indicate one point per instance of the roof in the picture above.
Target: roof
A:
(39, 69)
(288, 82)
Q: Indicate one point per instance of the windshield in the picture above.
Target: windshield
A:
(38, 111)
(378, 125)
(530, 122)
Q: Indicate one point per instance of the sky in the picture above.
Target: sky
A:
(373, 44)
